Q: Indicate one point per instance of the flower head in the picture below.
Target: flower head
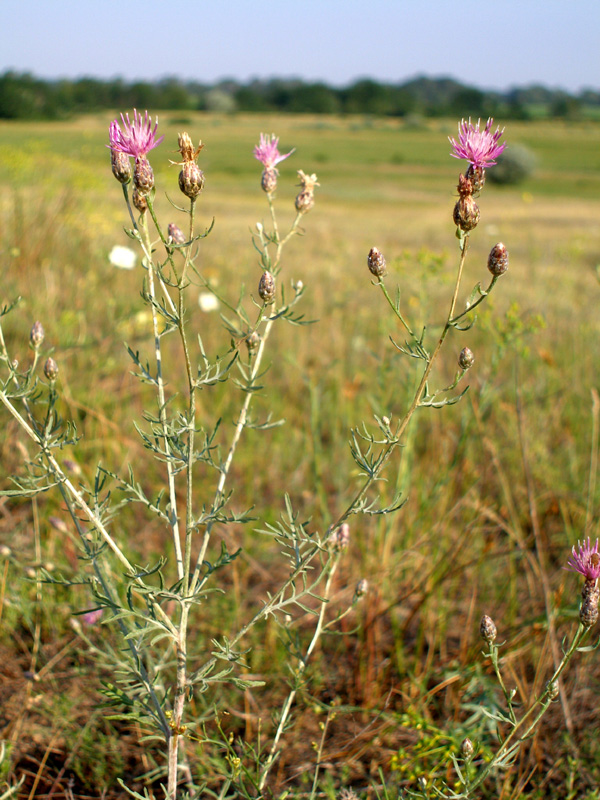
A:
(585, 560)
(480, 148)
(267, 152)
(137, 138)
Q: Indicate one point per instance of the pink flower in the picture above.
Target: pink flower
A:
(480, 148)
(267, 153)
(136, 138)
(92, 617)
(585, 560)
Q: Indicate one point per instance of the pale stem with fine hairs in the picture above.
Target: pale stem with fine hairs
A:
(287, 706)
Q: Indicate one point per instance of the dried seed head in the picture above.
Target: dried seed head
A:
(340, 537)
(266, 287)
(36, 335)
(187, 149)
(176, 235)
(143, 176)
(466, 748)
(376, 262)
(466, 358)
(498, 260)
(588, 613)
(139, 200)
(268, 181)
(487, 629)
(306, 200)
(253, 342)
(191, 179)
(466, 213)
(121, 166)
(476, 175)
(51, 369)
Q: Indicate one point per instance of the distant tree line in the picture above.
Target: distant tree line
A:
(23, 96)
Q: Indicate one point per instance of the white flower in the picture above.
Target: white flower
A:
(122, 257)
(207, 302)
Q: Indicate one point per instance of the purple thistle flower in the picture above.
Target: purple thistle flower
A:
(585, 560)
(480, 148)
(267, 152)
(136, 138)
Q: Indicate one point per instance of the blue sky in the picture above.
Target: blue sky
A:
(487, 44)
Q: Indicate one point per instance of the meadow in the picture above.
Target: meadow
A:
(498, 487)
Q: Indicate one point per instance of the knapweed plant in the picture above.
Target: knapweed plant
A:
(159, 673)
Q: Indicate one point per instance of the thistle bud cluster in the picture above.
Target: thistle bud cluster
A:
(466, 212)
(487, 629)
(498, 260)
(191, 177)
(466, 359)
(590, 595)
(176, 235)
(121, 166)
(266, 287)
(51, 369)
(376, 262)
(305, 200)
(253, 342)
(36, 335)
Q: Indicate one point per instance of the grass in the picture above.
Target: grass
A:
(407, 681)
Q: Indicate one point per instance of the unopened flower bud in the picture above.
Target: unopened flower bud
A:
(340, 537)
(176, 235)
(466, 358)
(362, 587)
(143, 176)
(588, 613)
(268, 182)
(51, 369)
(487, 629)
(498, 260)
(36, 335)
(191, 179)
(253, 342)
(476, 175)
(121, 166)
(139, 200)
(15, 364)
(552, 689)
(466, 213)
(266, 287)
(467, 748)
(376, 262)
(465, 187)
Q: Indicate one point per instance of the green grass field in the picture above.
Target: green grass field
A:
(499, 486)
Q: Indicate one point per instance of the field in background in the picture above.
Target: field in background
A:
(482, 477)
